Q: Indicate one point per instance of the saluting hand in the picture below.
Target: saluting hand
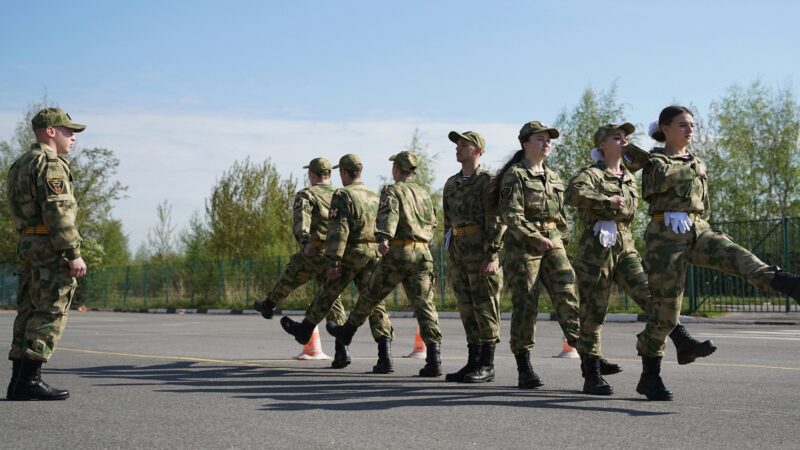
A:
(77, 268)
(383, 247)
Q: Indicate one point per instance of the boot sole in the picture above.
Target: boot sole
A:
(689, 358)
(656, 398)
(589, 392)
(29, 398)
(473, 380)
(530, 385)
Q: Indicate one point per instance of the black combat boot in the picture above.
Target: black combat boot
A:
(30, 386)
(301, 331)
(485, 370)
(527, 377)
(609, 368)
(343, 332)
(433, 362)
(650, 383)
(689, 348)
(341, 358)
(473, 356)
(384, 364)
(265, 307)
(593, 383)
(787, 283)
(14, 375)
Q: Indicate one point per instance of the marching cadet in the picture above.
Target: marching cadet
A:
(473, 237)
(43, 209)
(352, 254)
(404, 227)
(310, 227)
(606, 196)
(675, 184)
(530, 202)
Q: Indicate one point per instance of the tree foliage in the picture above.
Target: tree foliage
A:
(249, 213)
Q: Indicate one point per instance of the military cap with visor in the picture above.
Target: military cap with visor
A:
(349, 162)
(55, 117)
(405, 160)
(536, 126)
(470, 136)
(605, 130)
(317, 165)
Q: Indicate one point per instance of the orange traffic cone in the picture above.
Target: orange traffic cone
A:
(420, 351)
(313, 349)
(567, 351)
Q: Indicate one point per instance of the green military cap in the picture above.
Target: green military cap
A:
(349, 162)
(406, 160)
(609, 128)
(470, 136)
(536, 126)
(55, 117)
(317, 165)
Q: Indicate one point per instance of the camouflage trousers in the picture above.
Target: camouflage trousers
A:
(411, 265)
(478, 297)
(356, 266)
(300, 270)
(668, 255)
(523, 271)
(43, 299)
(597, 267)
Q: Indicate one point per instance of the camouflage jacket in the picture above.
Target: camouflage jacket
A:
(40, 193)
(351, 220)
(311, 213)
(466, 203)
(528, 200)
(591, 190)
(405, 212)
(671, 183)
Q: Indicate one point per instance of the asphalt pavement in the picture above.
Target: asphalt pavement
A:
(229, 381)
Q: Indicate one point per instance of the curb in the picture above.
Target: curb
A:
(543, 317)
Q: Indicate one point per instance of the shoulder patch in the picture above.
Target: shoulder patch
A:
(56, 185)
(505, 193)
(332, 213)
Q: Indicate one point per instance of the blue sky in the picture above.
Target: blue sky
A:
(182, 89)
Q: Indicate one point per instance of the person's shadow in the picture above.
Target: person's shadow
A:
(301, 389)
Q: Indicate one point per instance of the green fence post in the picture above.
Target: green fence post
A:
(786, 256)
(167, 283)
(146, 282)
(127, 285)
(441, 274)
(249, 275)
(106, 289)
(692, 293)
(220, 280)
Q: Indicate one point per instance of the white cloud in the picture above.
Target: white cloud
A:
(178, 158)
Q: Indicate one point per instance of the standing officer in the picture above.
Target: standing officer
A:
(405, 224)
(473, 237)
(310, 226)
(352, 254)
(43, 209)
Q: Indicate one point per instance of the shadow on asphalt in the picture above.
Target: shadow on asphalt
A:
(292, 389)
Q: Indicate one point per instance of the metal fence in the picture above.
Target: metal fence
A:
(236, 284)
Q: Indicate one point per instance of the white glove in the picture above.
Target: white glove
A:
(607, 231)
(678, 221)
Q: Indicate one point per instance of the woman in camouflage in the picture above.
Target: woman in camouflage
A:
(606, 196)
(675, 184)
(529, 198)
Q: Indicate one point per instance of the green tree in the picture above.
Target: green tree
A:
(753, 154)
(160, 238)
(249, 212)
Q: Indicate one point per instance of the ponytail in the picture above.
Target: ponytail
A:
(494, 190)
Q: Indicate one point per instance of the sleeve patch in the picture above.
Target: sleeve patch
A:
(505, 193)
(56, 185)
(333, 212)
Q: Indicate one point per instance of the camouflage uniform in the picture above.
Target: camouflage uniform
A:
(406, 219)
(476, 237)
(597, 266)
(351, 246)
(43, 209)
(531, 205)
(310, 226)
(673, 183)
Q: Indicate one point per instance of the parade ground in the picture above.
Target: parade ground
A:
(229, 381)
